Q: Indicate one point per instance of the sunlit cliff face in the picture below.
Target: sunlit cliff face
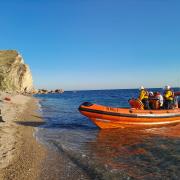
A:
(14, 74)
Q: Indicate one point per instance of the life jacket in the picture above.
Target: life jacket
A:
(144, 94)
(169, 95)
(136, 104)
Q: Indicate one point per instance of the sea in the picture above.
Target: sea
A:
(83, 151)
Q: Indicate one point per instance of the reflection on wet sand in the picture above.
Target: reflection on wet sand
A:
(140, 154)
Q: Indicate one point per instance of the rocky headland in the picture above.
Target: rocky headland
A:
(15, 75)
(45, 91)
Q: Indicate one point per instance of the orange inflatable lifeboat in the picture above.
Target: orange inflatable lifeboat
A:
(111, 117)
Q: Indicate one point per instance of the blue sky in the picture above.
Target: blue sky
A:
(95, 44)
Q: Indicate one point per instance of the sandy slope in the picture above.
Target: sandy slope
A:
(20, 154)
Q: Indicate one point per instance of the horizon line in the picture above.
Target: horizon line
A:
(116, 89)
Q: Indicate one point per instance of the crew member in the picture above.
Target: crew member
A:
(151, 99)
(159, 97)
(168, 97)
(143, 96)
(151, 95)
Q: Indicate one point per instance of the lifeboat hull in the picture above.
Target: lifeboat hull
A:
(108, 117)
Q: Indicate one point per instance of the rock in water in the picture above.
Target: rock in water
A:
(15, 76)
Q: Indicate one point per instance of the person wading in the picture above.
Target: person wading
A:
(143, 96)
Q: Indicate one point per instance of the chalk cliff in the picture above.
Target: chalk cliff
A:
(15, 76)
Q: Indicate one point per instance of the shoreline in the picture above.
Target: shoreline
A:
(21, 155)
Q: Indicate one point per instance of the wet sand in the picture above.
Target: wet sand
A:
(21, 156)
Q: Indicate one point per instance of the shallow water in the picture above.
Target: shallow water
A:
(106, 154)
